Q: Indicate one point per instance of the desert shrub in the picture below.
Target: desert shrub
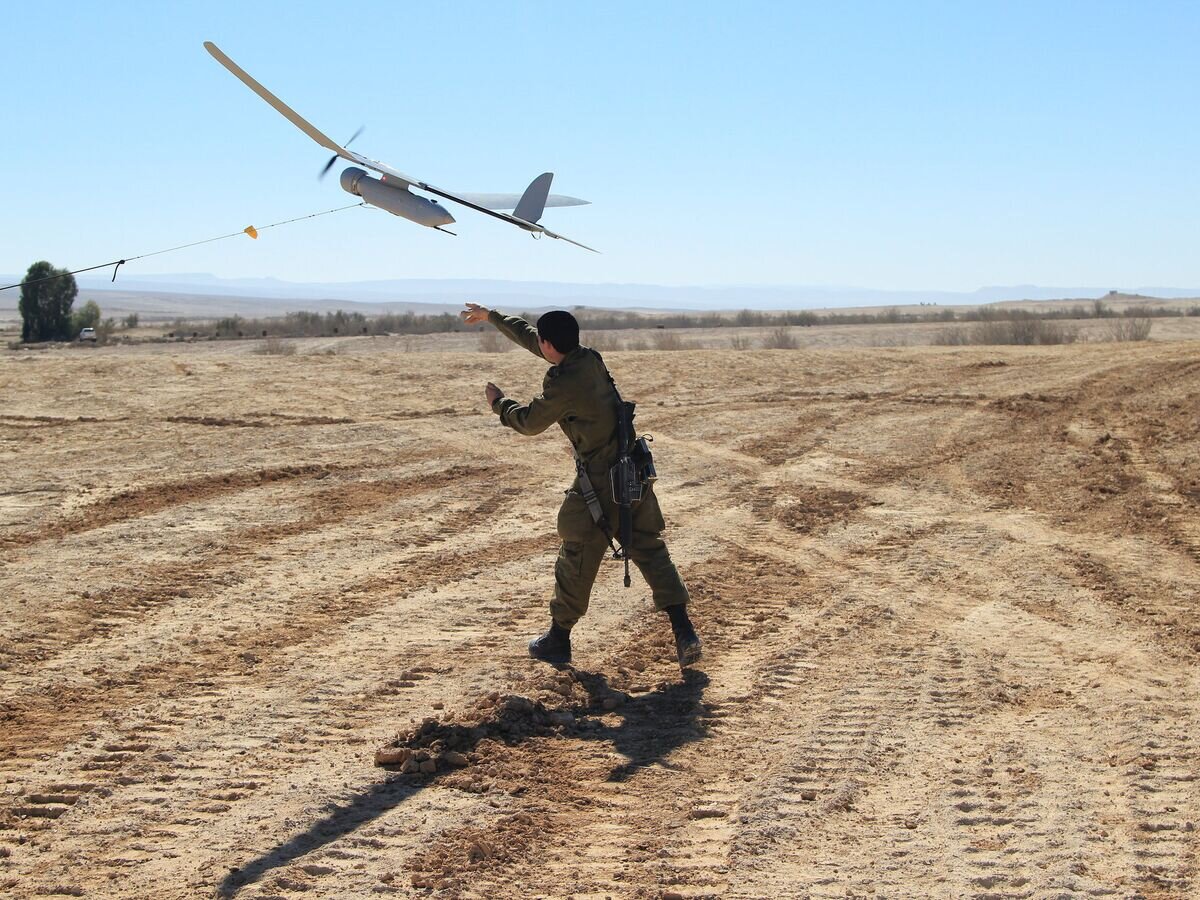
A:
(1193, 311)
(1024, 331)
(1013, 328)
(1130, 328)
(600, 341)
(779, 339)
(274, 346)
(739, 342)
(668, 340)
(491, 342)
(887, 340)
(231, 326)
(338, 349)
(636, 344)
(953, 337)
(130, 321)
(748, 317)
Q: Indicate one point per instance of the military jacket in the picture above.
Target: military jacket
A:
(576, 394)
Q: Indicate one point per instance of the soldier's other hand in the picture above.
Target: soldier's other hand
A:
(493, 393)
(474, 314)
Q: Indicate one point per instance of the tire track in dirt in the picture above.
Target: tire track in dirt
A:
(752, 632)
(946, 700)
(879, 629)
(205, 776)
(259, 420)
(59, 711)
(1159, 765)
(99, 612)
(1181, 519)
(145, 501)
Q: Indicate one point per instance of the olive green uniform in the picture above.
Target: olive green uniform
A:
(577, 395)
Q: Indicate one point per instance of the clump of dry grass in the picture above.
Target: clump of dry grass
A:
(491, 342)
(779, 339)
(598, 340)
(274, 346)
(334, 350)
(669, 340)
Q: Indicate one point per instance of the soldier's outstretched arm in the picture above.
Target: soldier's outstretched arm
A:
(517, 330)
(542, 411)
(514, 328)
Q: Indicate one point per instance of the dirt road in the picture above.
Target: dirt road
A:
(949, 600)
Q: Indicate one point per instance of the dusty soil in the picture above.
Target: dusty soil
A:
(949, 600)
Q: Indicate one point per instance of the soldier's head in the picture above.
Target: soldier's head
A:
(558, 334)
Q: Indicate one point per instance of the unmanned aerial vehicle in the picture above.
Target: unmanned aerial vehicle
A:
(391, 191)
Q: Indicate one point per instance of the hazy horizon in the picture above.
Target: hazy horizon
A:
(202, 295)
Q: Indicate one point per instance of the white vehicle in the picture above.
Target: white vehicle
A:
(87, 334)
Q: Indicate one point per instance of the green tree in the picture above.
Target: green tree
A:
(45, 303)
(130, 321)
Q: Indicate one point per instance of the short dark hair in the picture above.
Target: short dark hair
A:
(560, 329)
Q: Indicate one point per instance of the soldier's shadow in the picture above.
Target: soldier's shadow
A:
(653, 725)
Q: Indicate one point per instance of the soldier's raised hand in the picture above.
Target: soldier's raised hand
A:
(474, 313)
(493, 393)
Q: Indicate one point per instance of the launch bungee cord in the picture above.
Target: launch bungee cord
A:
(250, 230)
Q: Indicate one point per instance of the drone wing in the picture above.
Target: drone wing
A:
(299, 121)
(510, 201)
(286, 111)
(390, 175)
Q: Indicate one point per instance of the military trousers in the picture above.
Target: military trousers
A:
(584, 547)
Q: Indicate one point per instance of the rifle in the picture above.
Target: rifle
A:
(626, 482)
(633, 470)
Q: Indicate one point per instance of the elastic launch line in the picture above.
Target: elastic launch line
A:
(117, 263)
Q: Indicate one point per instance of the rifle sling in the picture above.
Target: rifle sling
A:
(593, 503)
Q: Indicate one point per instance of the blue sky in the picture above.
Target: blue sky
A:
(889, 145)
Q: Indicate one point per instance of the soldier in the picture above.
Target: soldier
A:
(578, 395)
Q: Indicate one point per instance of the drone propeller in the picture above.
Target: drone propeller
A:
(334, 158)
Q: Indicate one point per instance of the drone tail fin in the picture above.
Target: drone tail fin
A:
(533, 202)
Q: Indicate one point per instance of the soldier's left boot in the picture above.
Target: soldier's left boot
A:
(553, 647)
(687, 642)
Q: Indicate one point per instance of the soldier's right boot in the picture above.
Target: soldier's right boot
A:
(687, 642)
(553, 647)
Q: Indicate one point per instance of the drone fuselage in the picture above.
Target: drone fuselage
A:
(399, 201)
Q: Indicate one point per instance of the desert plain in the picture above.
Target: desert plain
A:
(948, 598)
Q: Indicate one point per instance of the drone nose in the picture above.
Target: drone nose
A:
(446, 218)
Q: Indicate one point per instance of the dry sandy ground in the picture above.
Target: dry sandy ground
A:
(949, 599)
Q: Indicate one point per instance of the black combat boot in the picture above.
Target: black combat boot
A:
(553, 647)
(687, 642)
